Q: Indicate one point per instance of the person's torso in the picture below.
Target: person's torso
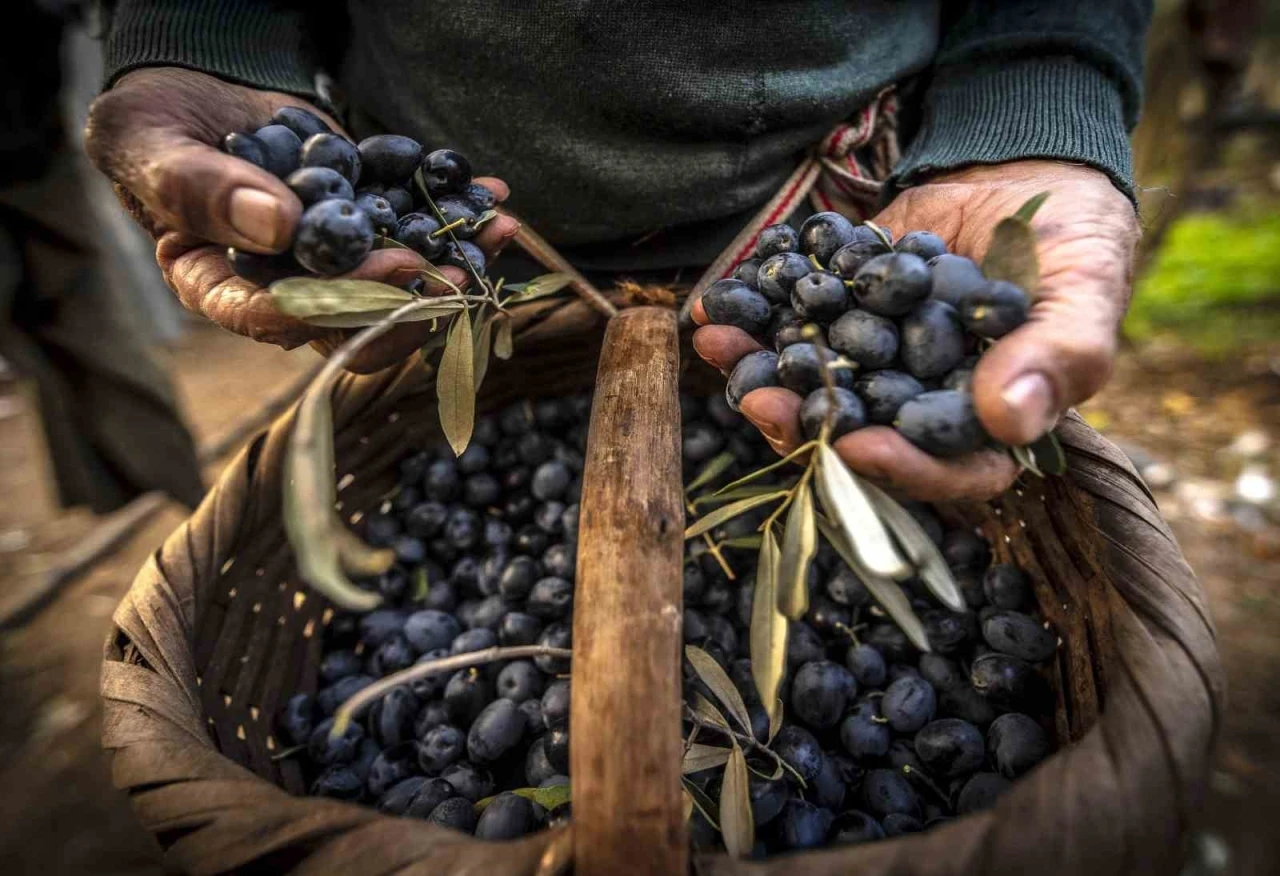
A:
(613, 118)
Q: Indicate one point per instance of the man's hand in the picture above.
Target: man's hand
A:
(1086, 232)
(156, 135)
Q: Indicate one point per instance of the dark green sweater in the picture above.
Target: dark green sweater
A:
(614, 118)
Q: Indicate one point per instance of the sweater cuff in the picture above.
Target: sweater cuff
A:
(259, 44)
(987, 113)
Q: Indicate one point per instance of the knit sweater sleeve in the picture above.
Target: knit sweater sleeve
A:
(260, 43)
(1017, 79)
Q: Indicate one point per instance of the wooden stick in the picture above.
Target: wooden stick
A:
(625, 715)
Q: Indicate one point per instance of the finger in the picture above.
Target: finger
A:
(723, 345)
(699, 313)
(501, 191)
(397, 267)
(496, 234)
(392, 348)
(880, 453)
(776, 413)
(1064, 352)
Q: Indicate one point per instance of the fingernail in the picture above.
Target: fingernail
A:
(767, 429)
(255, 216)
(1030, 396)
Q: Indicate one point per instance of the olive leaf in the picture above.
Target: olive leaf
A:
(885, 591)
(746, 479)
(775, 718)
(737, 826)
(686, 804)
(1026, 457)
(844, 500)
(703, 757)
(706, 710)
(1049, 454)
(768, 777)
(799, 544)
(382, 241)
(309, 497)
(1012, 255)
(307, 297)
(743, 542)
(455, 384)
(421, 585)
(768, 634)
(358, 559)
(740, 493)
(728, 512)
(549, 798)
(503, 342)
(1028, 209)
(538, 287)
(432, 273)
(713, 676)
(717, 466)
(930, 565)
(700, 801)
(483, 345)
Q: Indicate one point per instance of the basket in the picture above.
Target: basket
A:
(217, 631)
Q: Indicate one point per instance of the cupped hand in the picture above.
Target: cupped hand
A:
(156, 135)
(1086, 232)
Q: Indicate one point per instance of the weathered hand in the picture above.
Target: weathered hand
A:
(155, 134)
(1086, 233)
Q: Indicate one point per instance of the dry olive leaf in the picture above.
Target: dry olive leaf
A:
(309, 497)
(455, 384)
(483, 345)
(702, 802)
(737, 825)
(799, 544)
(885, 591)
(850, 509)
(703, 757)
(930, 565)
(746, 479)
(768, 634)
(503, 342)
(706, 710)
(740, 493)
(357, 558)
(728, 512)
(714, 677)
(743, 542)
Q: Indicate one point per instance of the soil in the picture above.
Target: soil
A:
(59, 813)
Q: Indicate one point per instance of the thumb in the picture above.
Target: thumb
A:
(1061, 356)
(187, 185)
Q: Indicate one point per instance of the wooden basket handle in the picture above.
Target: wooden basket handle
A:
(625, 718)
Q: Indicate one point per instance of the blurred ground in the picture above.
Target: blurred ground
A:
(1169, 407)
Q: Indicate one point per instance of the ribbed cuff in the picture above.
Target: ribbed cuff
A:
(261, 44)
(987, 113)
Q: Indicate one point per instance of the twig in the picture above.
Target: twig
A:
(745, 740)
(383, 686)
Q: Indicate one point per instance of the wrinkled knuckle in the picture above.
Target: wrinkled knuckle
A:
(1089, 359)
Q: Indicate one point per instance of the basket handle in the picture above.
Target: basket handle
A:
(625, 715)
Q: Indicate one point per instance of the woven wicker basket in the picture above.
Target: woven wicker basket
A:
(217, 632)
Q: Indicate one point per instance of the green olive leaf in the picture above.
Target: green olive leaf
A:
(743, 542)
(746, 492)
(737, 825)
(549, 798)
(538, 287)
(1026, 457)
(309, 496)
(728, 512)
(919, 548)
(717, 681)
(1049, 454)
(357, 558)
(372, 317)
(717, 466)
(703, 757)
(885, 591)
(768, 634)
(483, 346)
(1028, 209)
(455, 384)
(845, 501)
(503, 342)
(799, 544)
(790, 457)
(1012, 255)
(309, 297)
(421, 585)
